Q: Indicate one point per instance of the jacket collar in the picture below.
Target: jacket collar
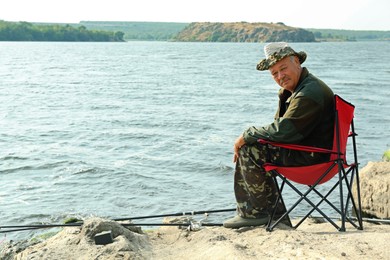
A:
(303, 76)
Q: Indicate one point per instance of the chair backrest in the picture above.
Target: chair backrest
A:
(343, 119)
(309, 174)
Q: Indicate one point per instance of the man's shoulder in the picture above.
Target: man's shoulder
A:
(313, 80)
(315, 89)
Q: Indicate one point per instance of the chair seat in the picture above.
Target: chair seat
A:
(307, 175)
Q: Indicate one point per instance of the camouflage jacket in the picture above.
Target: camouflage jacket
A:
(305, 117)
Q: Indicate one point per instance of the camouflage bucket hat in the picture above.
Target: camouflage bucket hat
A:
(276, 51)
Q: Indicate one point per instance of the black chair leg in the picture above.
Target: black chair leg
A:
(277, 218)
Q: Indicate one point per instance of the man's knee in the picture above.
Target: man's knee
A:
(256, 153)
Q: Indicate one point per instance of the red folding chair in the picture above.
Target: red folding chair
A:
(314, 175)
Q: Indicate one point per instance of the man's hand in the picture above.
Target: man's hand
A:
(237, 145)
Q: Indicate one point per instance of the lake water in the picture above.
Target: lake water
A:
(143, 128)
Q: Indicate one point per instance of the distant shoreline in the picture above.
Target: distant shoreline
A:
(167, 31)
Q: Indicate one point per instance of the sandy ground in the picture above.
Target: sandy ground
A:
(310, 241)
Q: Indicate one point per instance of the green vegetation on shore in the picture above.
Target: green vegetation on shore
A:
(171, 31)
(349, 35)
(141, 31)
(386, 156)
(24, 31)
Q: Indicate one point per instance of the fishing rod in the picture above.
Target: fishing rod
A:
(375, 220)
(177, 214)
(192, 225)
(13, 228)
(370, 220)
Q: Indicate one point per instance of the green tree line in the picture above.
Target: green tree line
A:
(140, 31)
(24, 31)
(349, 35)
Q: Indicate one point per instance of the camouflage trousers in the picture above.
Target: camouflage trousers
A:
(254, 188)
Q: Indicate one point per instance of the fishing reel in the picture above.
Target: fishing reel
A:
(197, 225)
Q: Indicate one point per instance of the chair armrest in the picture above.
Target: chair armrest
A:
(297, 147)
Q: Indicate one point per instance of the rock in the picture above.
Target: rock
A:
(375, 189)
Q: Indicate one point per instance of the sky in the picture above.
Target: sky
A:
(326, 14)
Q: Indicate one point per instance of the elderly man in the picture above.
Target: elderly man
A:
(304, 116)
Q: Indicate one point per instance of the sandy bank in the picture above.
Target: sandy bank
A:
(310, 241)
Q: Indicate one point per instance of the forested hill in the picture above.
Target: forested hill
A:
(243, 32)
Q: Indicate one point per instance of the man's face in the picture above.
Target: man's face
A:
(286, 72)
